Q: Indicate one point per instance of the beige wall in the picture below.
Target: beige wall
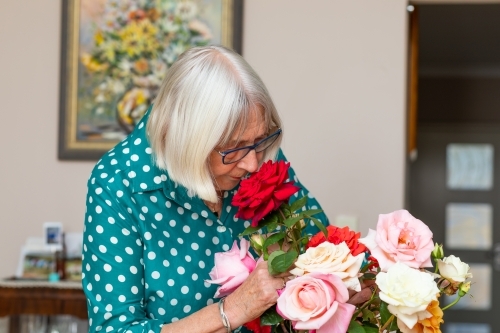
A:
(336, 70)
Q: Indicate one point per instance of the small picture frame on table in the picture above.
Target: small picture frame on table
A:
(35, 265)
(53, 235)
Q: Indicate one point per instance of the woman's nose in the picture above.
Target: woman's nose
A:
(250, 162)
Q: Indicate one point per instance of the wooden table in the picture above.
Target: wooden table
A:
(18, 297)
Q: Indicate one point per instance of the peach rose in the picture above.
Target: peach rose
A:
(400, 238)
(430, 324)
(316, 301)
(329, 258)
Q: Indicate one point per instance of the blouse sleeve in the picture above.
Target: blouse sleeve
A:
(312, 203)
(113, 266)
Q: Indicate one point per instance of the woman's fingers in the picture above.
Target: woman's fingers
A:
(360, 297)
(255, 295)
(367, 289)
(367, 283)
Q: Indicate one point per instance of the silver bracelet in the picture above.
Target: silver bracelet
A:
(225, 320)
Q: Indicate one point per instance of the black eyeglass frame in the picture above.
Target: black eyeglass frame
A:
(249, 148)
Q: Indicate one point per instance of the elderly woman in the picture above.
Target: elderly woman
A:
(159, 203)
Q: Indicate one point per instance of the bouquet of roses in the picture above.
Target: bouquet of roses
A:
(335, 263)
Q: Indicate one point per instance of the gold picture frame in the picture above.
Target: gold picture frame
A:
(114, 54)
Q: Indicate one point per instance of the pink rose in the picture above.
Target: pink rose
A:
(316, 301)
(232, 268)
(400, 238)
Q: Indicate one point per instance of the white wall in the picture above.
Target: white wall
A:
(34, 186)
(336, 69)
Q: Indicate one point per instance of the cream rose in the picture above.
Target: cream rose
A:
(329, 258)
(408, 292)
(452, 268)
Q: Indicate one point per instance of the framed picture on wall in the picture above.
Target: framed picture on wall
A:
(114, 56)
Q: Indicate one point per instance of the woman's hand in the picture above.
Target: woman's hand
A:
(254, 296)
(367, 289)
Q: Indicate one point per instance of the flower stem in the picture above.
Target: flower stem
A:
(387, 323)
(367, 303)
(452, 303)
(283, 327)
(289, 233)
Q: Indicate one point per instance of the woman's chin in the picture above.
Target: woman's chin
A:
(230, 184)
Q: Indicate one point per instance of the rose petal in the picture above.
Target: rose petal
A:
(285, 191)
(229, 286)
(261, 212)
(340, 321)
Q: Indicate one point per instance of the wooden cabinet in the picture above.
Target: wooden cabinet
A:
(40, 298)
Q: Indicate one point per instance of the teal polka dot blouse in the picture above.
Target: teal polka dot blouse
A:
(149, 246)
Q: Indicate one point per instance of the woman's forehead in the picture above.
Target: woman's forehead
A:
(250, 127)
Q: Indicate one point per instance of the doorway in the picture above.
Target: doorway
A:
(454, 182)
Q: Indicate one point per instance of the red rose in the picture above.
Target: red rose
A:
(372, 263)
(338, 235)
(264, 191)
(255, 327)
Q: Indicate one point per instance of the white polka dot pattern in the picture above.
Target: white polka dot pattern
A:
(148, 246)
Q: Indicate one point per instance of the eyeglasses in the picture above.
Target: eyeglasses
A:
(236, 154)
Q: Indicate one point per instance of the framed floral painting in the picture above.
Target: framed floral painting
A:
(115, 54)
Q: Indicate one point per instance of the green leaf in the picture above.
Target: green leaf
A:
(369, 276)
(271, 218)
(368, 315)
(250, 230)
(280, 261)
(355, 327)
(385, 315)
(289, 222)
(311, 212)
(271, 258)
(268, 220)
(370, 329)
(320, 226)
(285, 206)
(384, 312)
(272, 226)
(274, 238)
(298, 203)
(296, 233)
(270, 317)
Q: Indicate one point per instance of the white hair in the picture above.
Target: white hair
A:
(207, 95)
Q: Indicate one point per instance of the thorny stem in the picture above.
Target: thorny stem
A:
(282, 215)
(387, 323)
